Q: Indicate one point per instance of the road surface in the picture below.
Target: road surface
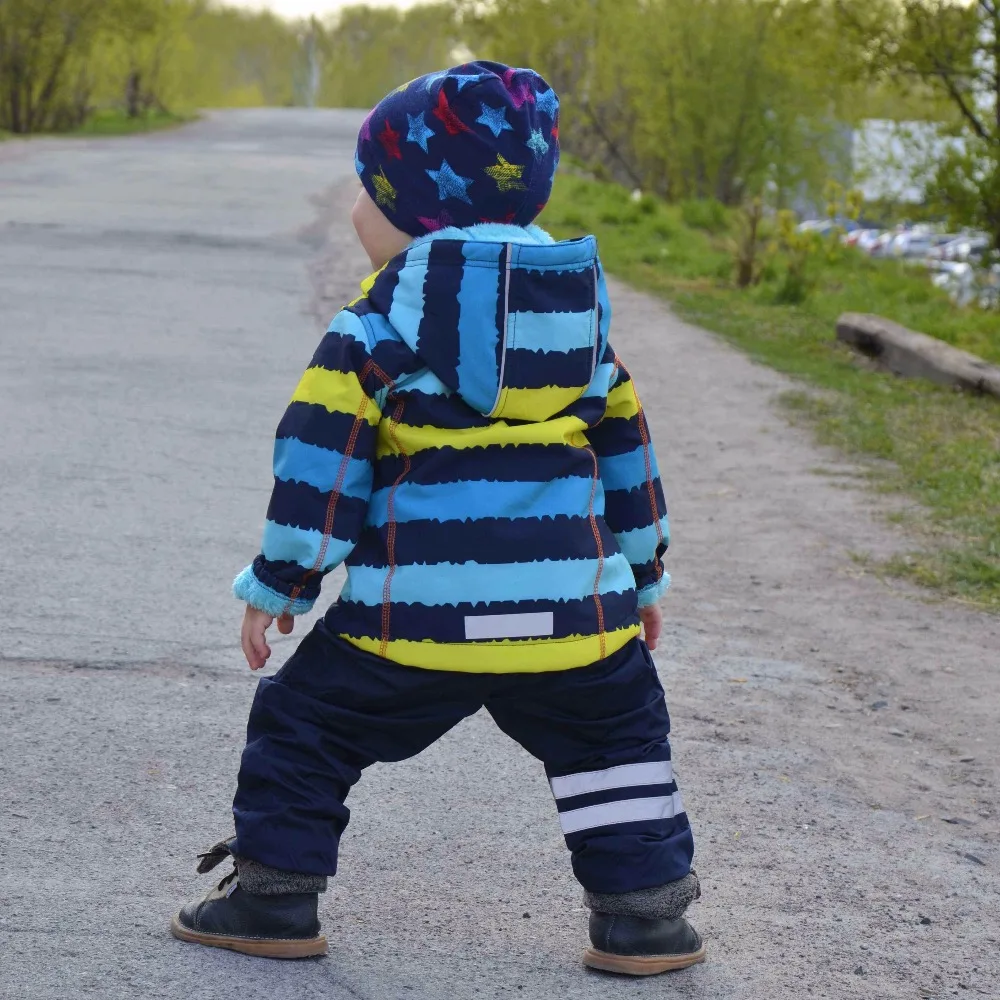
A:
(837, 738)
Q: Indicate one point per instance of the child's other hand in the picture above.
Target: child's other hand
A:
(255, 624)
(652, 624)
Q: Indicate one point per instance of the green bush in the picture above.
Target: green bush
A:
(705, 213)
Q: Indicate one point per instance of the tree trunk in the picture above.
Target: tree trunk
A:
(16, 115)
(133, 94)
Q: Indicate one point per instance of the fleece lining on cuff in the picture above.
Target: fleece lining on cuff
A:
(664, 902)
(263, 880)
(247, 588)
(651, 594)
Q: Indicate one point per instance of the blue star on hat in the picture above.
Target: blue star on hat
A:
(547, 103)
(419, 131)
(495, 119)
(464, 79)
(450, 184)
(537, 143)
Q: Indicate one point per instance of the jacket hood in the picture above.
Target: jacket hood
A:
(510, 320)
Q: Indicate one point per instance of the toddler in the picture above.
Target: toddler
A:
(467, 441)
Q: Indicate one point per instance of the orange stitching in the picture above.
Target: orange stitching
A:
(331, 506)
(391, 538)
(600, 556)
(385, 380)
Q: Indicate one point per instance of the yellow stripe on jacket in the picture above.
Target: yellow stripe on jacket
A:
(622, 401)
(408, 439)
(338, 392)
(503, 656)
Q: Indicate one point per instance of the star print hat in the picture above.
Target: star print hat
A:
(477, 143)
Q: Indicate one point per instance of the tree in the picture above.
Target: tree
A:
(687, 98)
(39, 40)
(368, 51)
(951, 47)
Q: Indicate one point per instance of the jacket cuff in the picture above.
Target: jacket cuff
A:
(248, 588)
(652, 594)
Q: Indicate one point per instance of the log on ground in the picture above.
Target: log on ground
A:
(916, 355)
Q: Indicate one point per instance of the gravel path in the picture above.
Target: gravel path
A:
(837, 738)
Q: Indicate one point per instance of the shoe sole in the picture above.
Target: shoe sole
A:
(640, 965)
(260, 947)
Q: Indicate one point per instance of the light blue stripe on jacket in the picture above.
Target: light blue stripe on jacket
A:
(464, 501)
(639, 543)
(285, 543)
(296, 461)
(478, 335)
(555, 331)
(628, 470)
(451, 583)
(407, 309)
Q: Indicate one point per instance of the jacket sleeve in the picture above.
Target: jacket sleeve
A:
(323, 467)
(634, 507)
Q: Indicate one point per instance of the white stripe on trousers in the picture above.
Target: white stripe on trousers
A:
(622, 811)
(657, 772)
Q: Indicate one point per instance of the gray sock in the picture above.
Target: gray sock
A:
(263, 880)
(661, 902)
(258, 878)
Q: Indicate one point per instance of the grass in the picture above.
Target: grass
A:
(113, 121)
(937, 445)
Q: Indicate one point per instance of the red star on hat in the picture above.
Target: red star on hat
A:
(390, 139)
(452, 123)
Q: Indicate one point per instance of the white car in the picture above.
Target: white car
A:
(917, 242)
(968, 247)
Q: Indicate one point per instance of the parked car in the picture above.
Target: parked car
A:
(915, 242)
(879, 246)
(862, 239)
(969, 246)
(964, 264)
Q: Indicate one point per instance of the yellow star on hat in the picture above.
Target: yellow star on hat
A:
(507, 175)
(385, 193)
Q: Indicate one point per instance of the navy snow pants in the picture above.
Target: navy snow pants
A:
(601, 732)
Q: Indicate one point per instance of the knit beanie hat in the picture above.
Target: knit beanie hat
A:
(477, 143)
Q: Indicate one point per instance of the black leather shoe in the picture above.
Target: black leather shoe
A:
(638, 946)
(283, 926)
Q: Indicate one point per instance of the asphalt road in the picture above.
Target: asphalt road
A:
(837, 738)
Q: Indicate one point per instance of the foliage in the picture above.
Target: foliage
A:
(115, 122)
(691, 99)
(62, 60)
(228, 57)
(704, 213)
(44, 47)
(368, 51)
(797, 249)
(950, 48)
(938, 445)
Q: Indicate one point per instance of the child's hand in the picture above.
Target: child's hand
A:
(255, 624)
(652, 624)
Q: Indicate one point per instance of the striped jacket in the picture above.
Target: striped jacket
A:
(468, 442)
